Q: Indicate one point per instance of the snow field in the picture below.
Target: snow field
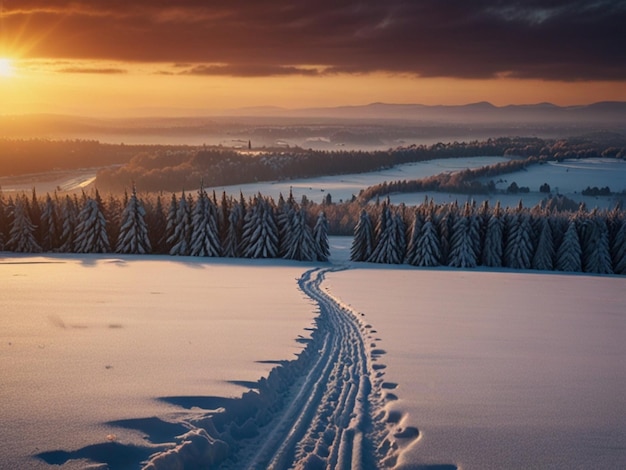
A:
(502, 369)
(89, 340)
(314, 412)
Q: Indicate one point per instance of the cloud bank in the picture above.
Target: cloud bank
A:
(553, 40)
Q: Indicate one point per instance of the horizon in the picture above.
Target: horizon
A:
(104, 59)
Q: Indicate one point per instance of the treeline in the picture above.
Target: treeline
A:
(471, 236)
(536, 151)
(23, 156)
(255, 227)
(174, 168)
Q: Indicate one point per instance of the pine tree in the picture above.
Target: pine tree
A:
(569, 254)
(260, 233)
(518, 250)
(170, 223)
(4, 225)
(50, 226)
(389, 250)
(232, 241)
(320, 235)
(427, 250)
(302, 244)
(181, 238)
(286, 221)
(22, 233)
(598, 256)
(494, 238)
(462, 250)
(414, 235)
(90, 233)
(363, 241)
(445, 224)
(34, 213)
(619, 250)
(69, 216)
(113, 215)
(545, 253)
(157, 223)
(133, 236)
(205, 239)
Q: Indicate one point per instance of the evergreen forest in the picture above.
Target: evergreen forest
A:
(201, 224)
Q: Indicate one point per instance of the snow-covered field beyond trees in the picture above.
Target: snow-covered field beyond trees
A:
(108, 358)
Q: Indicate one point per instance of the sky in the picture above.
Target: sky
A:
(112, 57)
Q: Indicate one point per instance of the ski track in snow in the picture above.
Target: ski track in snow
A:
(324, 410)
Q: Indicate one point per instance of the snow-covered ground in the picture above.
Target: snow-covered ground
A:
(568, 178)
(500, 369)
(496, 369)
(85, 340)
(340, 187)
(343, 187)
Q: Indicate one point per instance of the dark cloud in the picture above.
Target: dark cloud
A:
(94, 70)
(249, 70)
(551, 39)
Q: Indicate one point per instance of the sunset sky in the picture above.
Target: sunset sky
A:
(112, 57)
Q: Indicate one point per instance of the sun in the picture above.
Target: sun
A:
(6, 67)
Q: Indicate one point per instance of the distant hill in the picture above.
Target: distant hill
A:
(380, 125)
(483, 112)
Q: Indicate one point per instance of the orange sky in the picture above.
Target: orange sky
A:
(108, 58)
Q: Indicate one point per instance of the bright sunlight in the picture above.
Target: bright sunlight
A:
(6, 67)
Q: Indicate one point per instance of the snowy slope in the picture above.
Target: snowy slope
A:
(495, 369)
(500, 369)
(85, 340)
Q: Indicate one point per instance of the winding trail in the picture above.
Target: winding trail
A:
(323, 410)
(328, 423)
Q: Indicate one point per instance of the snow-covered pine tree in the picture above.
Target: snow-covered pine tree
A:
(69, 217)
(181, 238)
(494, 239)
(223, 218)
(598, 255)
(518, 250)
(33, 208)
(401, 231)
(112, 211)
(286, 215)
(205, 240)
(4, 226)
(445, 223)
(50, 233)
(170, 223)
(133, 236)
(569, 253)
(22, 232)
(614, 222)
(414, 235)
(543, 258)
(388, 249)
(363, 241)
(260, 233)
(320, 235)
(586, 229)
(232, 241)
(619, 250)
(90, 233)
(427, 250)
(302, 244)
(157, 223)
(462, 254)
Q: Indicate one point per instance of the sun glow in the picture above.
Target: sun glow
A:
(7, 69)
